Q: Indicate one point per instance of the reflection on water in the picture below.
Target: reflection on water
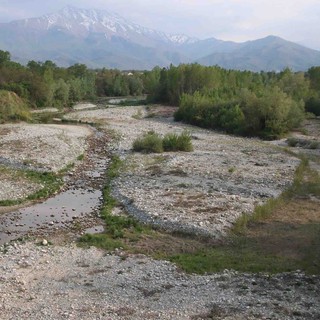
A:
(56, 212)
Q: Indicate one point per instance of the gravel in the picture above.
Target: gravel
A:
(200, 192)
(45, 282)
(48, 147)
(223, 177)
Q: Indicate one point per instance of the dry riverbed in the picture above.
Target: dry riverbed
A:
(201, 192)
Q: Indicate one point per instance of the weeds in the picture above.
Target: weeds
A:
(49, 181)
(175, 142)
(138, 115)
(303, 143)
(231, 169)
(292, 142)
(80, 157)
(116, 227)
(152, 142)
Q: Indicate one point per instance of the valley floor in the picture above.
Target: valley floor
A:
(201, 193)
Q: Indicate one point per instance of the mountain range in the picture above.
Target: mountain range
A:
(104, 39)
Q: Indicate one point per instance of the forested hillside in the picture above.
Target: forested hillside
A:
(265, 104)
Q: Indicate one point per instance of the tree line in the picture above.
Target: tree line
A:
(266, 104)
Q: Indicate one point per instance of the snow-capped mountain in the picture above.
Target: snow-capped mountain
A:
(83, 22)
(105, 39)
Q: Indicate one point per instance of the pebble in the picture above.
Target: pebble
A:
(119, 288)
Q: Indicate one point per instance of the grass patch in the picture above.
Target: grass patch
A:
(298, 188)
(152, 142)
(132, 102)
(102, 241)
(45, 117)
(49, 181)
(175, 142)
(238, 256)
(80, 157)
(116, 227)
(67, 168)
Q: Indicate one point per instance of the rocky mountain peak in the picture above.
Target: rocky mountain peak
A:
(81, 22)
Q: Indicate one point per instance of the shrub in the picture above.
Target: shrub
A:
(313, 105)
(314, 145)
(292, 142)
(148, 143)
(174, 142)
(151, 142)
(12, 107)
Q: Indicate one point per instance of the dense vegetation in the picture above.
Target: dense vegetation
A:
(265, 104)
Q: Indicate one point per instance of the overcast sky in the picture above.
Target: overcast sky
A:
(237, 20)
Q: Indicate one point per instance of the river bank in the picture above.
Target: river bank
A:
(205, 190)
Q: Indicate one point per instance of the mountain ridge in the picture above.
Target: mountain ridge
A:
(99, 38)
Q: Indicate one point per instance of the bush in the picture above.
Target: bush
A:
(314, 145)
(174, 142)
(150, 142)
(292, 142)
(313, 106)
(12, 107)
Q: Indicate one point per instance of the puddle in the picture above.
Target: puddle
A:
(81, 200)
(56, 212)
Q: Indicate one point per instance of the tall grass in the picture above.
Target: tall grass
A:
(12, 107)
(175, 142)
(152, 142)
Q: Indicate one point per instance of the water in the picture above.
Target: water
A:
(83, 198)
(56, 212)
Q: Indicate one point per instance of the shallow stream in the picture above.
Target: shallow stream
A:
(80, 200)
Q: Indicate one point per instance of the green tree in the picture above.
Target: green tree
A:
(4, 57)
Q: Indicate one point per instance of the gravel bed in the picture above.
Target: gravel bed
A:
(66, 282)
(39, 282)
(50, 147)
(36, 147)
(200, 192)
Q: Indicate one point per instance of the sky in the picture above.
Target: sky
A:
(235, 20)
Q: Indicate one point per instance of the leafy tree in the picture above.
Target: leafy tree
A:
(4, 57)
